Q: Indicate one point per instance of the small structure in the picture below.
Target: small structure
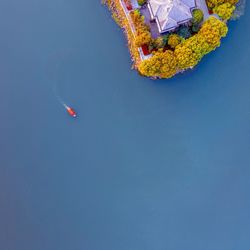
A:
(169, 14)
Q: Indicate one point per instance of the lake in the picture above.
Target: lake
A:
(148, 165)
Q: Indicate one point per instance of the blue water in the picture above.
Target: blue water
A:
(147, 166)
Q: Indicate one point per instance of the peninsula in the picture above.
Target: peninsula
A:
(166, 37)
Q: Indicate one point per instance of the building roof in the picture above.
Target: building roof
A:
(171, 13)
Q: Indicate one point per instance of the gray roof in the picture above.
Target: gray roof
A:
(171, 13)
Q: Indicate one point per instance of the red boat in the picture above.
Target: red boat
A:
(70, 111)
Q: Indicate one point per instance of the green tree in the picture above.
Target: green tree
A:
(184, 32)
(198, 16)
(195, 28)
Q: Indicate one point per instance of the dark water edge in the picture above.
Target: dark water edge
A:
(148, 164)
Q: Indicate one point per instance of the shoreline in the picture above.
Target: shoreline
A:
(179, 53)
(122, 19)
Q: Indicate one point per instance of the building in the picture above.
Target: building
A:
(169, 14)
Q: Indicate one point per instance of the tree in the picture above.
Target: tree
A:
(233, 2)
(165, 39)
(191, 51)
(195, 28)
(142, 38)
(161, 64)
(158, 43)
(213, 3)
(174, 40)
(143, 35)
(187, 53)
(213, 30)
(224, 11)
(198, 16)
(184, 32)
(186, 57)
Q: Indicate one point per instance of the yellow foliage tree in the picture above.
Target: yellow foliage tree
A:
(186, 57)
(213, 30)
(224, 11)
(213, 3)
(190, 52)
(158, 43)
(142, 38)
(199, 45)
(143, 35)
(233, 2)
(187, 53)
(174, 40)
(162, 64)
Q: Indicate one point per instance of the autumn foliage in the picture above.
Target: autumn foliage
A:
(187, 53)
(224, 11)
(174, 40)
(143, 35)
(190, 52)
(214, 3)
(178, 50)
(223, 8)
(161, 64)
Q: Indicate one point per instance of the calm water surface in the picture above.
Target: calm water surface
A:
(147, 166)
